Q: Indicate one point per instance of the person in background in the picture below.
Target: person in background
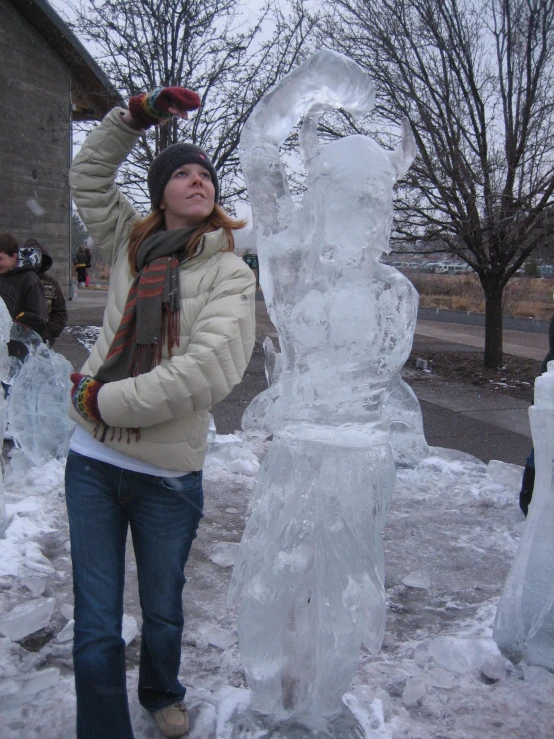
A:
(528, 481)
(89, 265)
(177, 336)
(80, 261)
(21, 289)
(56, 309)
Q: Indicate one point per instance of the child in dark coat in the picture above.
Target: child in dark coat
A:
(56, 309)
(21, 288)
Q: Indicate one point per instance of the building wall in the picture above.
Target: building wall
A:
(34, 140)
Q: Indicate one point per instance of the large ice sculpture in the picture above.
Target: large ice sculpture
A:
(38, 402)
(524, 624)
(310, 571)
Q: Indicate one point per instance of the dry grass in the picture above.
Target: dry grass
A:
(524, 296)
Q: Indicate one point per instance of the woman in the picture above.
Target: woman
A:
(177, 335)
(80, 261)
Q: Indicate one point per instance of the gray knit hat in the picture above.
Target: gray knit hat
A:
(171, 159)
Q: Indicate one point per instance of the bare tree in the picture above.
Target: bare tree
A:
(215, 47)
(475, 77)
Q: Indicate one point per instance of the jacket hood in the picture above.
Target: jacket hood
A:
(28, 258)
(45, 261)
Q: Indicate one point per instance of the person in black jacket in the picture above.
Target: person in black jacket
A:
(89, 265)
(80, 261)
(56, 309)
(21, 288)
(528, 481)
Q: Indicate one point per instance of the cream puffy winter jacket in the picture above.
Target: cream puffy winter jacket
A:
(170, 404)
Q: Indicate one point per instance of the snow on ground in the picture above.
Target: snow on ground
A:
(452, 531)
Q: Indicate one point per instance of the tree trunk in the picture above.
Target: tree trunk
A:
(493, 327)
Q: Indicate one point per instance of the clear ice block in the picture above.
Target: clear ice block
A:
(524, 623)
(309, 574)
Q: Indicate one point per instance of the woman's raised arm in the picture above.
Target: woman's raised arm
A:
(105, 211)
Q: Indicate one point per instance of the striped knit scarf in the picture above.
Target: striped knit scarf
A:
(151, 315)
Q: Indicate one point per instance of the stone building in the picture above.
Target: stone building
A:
(48, 80)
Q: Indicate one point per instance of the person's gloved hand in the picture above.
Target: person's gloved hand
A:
(162, 104)
(84, 396)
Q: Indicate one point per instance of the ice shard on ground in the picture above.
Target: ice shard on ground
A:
(524, 624)
(309, 574)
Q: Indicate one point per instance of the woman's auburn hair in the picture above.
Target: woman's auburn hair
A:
(155, 222)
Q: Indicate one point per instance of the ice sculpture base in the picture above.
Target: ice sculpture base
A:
(240, 722)
(310, 569)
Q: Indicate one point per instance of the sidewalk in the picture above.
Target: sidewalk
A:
(518, 343)
(480, 422)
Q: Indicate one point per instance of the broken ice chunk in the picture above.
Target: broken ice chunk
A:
(35, 559)
(67, 611)
(27, 618)
(419, 580)
(66, 634)
(224, 553)
(462, 655)
(438, 677)
(414, 691)
(129, 629)
(369, 717)
(36, 585)
(494, 668)
(217, 636)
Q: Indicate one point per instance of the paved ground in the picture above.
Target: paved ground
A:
(518, 343)
(473, 420)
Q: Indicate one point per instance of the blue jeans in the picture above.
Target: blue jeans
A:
(163, 513)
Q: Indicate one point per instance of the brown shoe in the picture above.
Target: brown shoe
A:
(173, 721)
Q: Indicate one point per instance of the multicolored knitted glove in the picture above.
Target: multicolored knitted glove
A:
(153, 107)
(84, 396)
